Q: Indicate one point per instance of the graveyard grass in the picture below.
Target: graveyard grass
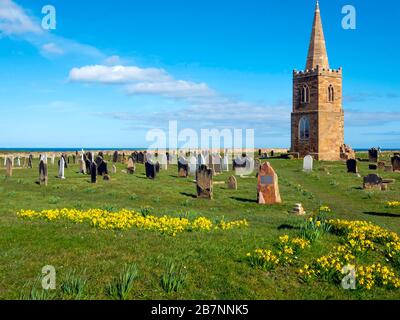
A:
(215, 261)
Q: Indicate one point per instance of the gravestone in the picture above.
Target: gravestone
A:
(268, 188)
(225, 164)
(65, 160)
(131, 168)
(308, 163)
(272, 153)
(114, 169)
(9, 167)
(82, 166)
(74, 159)
(164, 162)
(192, 165)
(232, 183)
(157, 166)
(183, 167)
(99, 160)
(352, 166)
(298, 209)
(388, 168)
(381, 165)
(140, 157)
(257, 165)
(373, 167)
(373, 155)
(204, 182)
(93, 172)
(102, 169)
(151, 170)
(259, 152)
(372, 181)
(115, 157)
(201, 161)
(43, 173)
(18, 161)
(87, 164)
(53, 159)
(30, 166)
(217, 161)
(61, 168)
(396, 163)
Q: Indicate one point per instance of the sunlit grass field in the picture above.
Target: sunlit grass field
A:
(214, 262)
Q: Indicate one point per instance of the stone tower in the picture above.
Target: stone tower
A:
(317, 118)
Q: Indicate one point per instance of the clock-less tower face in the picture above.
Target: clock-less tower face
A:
(317, 119)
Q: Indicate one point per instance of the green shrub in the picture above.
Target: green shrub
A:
(122, 285)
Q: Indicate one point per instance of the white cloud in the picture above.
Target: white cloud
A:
(116, 74)
(14, 20)
(113, 61)
(52, 48)
(173, 89)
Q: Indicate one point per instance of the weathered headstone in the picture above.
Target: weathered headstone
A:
(396, 163)
(131, 168)
(151, 170)
(115, 157)
(372, 181)
(232, 183)
(308, 163)
(82, 166)
(114, 169)
(268, 187)
(30, 166)
(381, 165)
(18, 161)
(298, 209)
(352, 166)
(373, 155)
(388, 168)
(93, 172)
(192, 165)
(225, 163)
(204, 178)
(102, 169)
(43, 174)
(217, 161)
(163, 162)
(9, 167)
(61, 168)
(183, 167)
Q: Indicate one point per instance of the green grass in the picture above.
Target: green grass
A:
(216, 265)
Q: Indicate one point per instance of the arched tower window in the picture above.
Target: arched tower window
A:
(305, 94)
(304, 128)
(331, 93)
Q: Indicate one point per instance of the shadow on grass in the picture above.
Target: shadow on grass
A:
(244, 200)
(287, 227)
(189, 195)
(383, 214)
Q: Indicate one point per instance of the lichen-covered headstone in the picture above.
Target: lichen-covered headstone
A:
(183, 167)
(373, 181)
(204, 178)
(373, 155)
(268, 187)
(151, 170)
(232, 183)
(131, 168)
(396, 163)
(43, 174)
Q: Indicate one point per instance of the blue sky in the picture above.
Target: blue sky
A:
(111, 72)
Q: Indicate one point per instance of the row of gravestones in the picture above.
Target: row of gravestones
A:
(352, 166)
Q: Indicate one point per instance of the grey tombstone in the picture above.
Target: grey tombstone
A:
(115, 157)
(217, 161)
(163, 162)
(225, 164)
(18, 161)
(204, 183)
(308, 163)
(114, 169)
(192, 165)
(30, 166)
(61, 168)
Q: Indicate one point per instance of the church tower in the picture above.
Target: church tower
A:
(317, 117)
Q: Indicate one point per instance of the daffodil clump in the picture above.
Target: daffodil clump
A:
(359, 237)
(287, 252)
(393, 204)
(128, 219)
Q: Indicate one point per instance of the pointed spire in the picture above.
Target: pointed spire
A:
(317, 54)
